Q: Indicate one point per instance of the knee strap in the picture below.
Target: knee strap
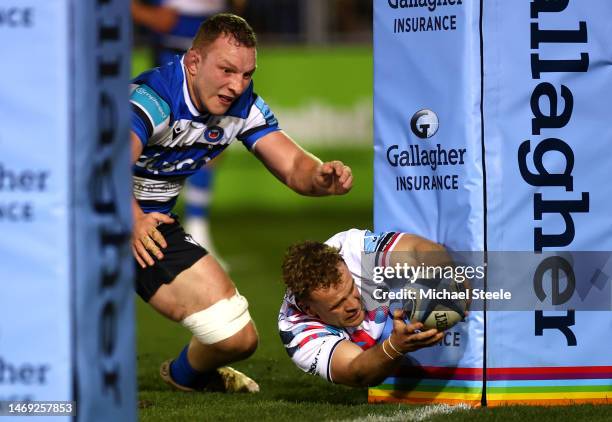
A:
(219, 321)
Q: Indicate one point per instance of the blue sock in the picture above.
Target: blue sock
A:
(182, 373)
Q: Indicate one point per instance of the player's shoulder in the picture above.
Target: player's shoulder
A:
(363, 240)
(160, 84)
(155, 93)
(156, 107)
(351, 238)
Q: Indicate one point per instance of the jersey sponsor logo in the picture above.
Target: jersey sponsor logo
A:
(151, 103)
(156, 165)
(213, 134)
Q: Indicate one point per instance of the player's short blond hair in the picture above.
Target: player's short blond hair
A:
(309, 266)
(224, 24)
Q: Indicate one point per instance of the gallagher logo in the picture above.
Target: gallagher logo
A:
(424, 123)
(213, 134)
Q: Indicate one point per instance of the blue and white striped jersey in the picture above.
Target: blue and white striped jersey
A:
(177, 139)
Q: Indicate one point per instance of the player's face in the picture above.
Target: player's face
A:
(223, 72)
(338, 305)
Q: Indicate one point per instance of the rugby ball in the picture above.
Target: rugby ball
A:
(437, 304)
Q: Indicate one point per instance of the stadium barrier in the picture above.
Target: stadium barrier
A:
(492, 134)
(67, 329)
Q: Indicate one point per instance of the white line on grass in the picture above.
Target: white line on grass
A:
(417, 414)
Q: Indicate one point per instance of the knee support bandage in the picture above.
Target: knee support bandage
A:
(219, 321)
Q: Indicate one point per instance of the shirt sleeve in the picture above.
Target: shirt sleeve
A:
(260, 121)
(150, 113)
(380, 244)
(315, 357)
(309, 343)
(351, 245)
(355, 243)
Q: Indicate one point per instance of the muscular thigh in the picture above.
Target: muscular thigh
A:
(194, 289)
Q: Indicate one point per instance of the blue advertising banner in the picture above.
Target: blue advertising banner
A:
(67, 329)
(547, 135)
(490, 136)
(428, 167)
(36, 338)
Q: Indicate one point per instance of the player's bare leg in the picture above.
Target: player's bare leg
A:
(205, 357)
(197, 289)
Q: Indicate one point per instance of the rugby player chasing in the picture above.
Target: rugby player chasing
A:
(324, 323)
(183, 115)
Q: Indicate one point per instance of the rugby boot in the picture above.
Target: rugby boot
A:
(224, 379)
(234, 381)
(164, 373)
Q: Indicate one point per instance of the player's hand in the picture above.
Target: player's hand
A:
(334, 177)
(146, 239)
(408, 337)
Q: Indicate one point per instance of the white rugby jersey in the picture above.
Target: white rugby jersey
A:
(177, 139)
(310, 342)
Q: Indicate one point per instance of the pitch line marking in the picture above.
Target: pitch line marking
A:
(417, 414)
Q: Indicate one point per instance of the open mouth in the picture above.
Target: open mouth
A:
(354, 316)
(225, 99)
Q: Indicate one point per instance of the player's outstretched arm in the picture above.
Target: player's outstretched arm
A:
(419, 250)
(300, 170)
(351, 365)
(146, 239)
(416, 250)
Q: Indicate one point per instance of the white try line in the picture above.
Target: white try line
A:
(417, 414)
